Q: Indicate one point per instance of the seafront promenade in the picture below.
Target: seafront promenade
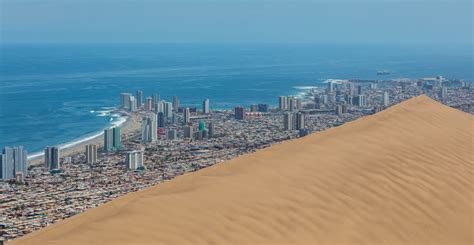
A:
(47, 198)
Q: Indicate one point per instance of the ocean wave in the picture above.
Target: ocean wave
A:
(305, 87)
(119, 121)
(104, 112)
(339, 81)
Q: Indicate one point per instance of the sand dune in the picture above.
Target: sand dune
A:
(402, 176)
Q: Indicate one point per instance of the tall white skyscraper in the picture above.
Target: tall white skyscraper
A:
(298, 104)
(139, 99)
(205, 106)
(444, 92)
(282, 103)
(149, 129)
(300, 121)
(168, 109)
(186, 116)
(52, 158)
(160, 107)
(91, 153)
(132, 104)
(288, 121)
(134, 159)
(290, 103)
(330, 87)
(386, 99)
(12, 161)
(362, 100)
(156, 98)
(149, 104)
(125, 100)
(175, 103)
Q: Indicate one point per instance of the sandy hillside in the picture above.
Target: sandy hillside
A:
(403, 176)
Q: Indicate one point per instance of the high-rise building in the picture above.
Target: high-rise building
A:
(12, 161)
(282, 103)
(161, 119)
(373, 86)
(159, 107)
(262, 108)
(156, 98)
(324, 99)
(359, 90)
(288, 121)
(186, 116)
(171, 134)
(91, 153)
(149, 129)
(188, 132)
(300, 121)
(253, 108)
(444, 92)
(291, 103)
(116, 138)
(205, 106)
(112, 139)
(134, 159)
(175, 103)
(202, 126)
(339, 110)
(132, 104)
(330, 87)
(52, 158)
(108, 139)
(139, 99)
(239, 113)
(386, 99)
(168, 109)
(361, 100)
(211, 130)
(149, 104)
(125, 100)
(5, 166)
(298, 104)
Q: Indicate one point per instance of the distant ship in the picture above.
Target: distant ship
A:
(383, 72)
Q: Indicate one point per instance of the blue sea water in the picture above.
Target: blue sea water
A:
(54, 94)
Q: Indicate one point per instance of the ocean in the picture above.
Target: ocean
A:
(57, 94)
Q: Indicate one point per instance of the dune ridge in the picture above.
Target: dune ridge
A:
(402, 176)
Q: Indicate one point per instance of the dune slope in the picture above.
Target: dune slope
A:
(402, 176)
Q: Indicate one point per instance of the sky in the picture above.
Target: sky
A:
(437, 22)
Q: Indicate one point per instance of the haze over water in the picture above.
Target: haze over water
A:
(54, 94)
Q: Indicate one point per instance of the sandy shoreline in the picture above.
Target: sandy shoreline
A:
(131, 125)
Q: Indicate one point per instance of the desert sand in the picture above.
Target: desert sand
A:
(402, 176)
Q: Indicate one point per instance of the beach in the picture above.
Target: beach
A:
(401, 176)
(130, 125)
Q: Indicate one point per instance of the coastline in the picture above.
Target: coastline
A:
(127, 122)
